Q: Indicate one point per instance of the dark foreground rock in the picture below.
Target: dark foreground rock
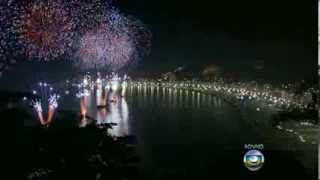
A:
(77, 153)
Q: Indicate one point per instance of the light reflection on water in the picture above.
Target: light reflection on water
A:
(106, 107)
(172, 98)
(193, 125)
(111, 107)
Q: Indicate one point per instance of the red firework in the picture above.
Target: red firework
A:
(46, 29)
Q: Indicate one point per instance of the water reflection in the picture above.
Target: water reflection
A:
(103, 105)
(144, 95)
(107, 107)
(119, 114)
(83, 110)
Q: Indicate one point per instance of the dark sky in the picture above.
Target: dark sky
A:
(233, 34)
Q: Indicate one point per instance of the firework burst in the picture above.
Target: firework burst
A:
(104, 49)
(8, 51)
(115, 44)
(46, 29)
(141, 37)
(88, 13)
(92, 33)
(45, 97)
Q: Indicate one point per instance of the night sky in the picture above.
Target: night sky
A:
(234, 35)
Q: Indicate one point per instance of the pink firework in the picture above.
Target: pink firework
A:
(8, 51)
(3, 40)
(46, 29)
(104, 48)
(116, 43)
(88, 13)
